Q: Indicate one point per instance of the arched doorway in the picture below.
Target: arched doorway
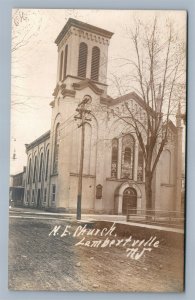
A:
(129, 200)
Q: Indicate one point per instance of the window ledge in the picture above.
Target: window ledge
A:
(167, 184)
(124, 179)
(84, 175)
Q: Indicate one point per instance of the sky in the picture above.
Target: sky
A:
(34, 63)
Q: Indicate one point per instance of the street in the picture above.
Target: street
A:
(43, 259)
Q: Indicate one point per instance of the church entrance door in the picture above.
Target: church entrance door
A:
(129, 201)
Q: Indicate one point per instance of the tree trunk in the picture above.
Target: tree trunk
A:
(148, 191)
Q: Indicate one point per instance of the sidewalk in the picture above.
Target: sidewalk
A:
(119, 219)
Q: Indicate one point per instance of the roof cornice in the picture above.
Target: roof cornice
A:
(87, 83)
(39, 140)
(82, 26)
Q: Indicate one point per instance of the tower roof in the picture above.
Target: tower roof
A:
(82, 26)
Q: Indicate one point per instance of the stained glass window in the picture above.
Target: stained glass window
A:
(127, 163)
(114, 165)
(140, 167)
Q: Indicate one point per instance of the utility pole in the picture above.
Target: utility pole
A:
(81, 116)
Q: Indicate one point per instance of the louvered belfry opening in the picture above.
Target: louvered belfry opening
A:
(65, 60)
(82, 64)
(95, 64)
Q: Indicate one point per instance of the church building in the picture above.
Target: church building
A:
(113, 164)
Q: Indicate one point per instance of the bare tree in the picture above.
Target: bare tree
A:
(28, 26)
(157, 74)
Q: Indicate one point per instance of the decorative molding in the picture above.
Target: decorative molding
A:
(85, 34)
(56, 90)
(125, 180)
(84, 175)
(65, 38)
(52, 103)
(81, 78)
(136, 98)
(67, 92)
(170, 185)
(87, 83)
(106, 100)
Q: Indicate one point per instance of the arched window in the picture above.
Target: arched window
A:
(61, 66)
(29, 171)
(35, 169)
(95, 63)
(140, 167)
(127, 155)
(82, 63)
(99, 188)
(65, 60)
(114, 165)
(47, 165)
(56, 149)
(27, 196)
(127, 163)
(33, 196)
(45, 195)
(41, 167)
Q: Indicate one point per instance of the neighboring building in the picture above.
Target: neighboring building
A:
(17, 188)
(113, 170)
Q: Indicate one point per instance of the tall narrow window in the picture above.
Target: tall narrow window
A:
(27, 196)
(53, 193)
(33, 196)
(61, 66)
(140, 167)
(65, 60)
(56, 149)
(82, 63)
(47, 165)
(29, 171)
(128, 149)
(114, 164)
(95, 63)
(41, 167)
(35, 169)
(45, 195)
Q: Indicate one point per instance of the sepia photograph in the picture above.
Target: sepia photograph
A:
(98, 150)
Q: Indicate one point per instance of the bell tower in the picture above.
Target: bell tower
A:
(82, 54)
